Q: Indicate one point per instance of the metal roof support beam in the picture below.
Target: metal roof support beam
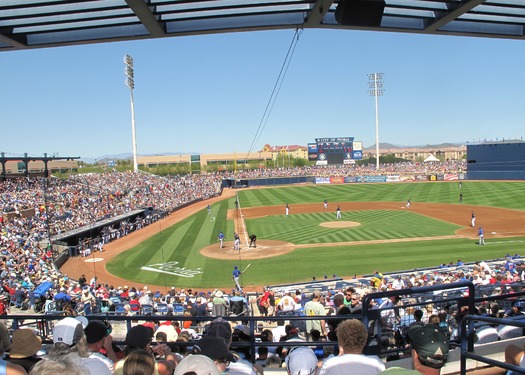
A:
(7, 37)
(146, 17)
(316, 15)
(452, 15)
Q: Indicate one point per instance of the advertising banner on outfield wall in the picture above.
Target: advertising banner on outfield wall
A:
(322, 180)
(451, 177)
(337, 180)
(393, 179)
(422, 177)
(350, 179)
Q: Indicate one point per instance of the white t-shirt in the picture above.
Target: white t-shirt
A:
(108, 362)
(287, 304)
(355, 364)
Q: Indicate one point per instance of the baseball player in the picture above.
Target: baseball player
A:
(473, 219)
(325, 204)
(236, 274)
(220, 237)
(481, 234)
(286, 209)
(236, 242)
(338, 213)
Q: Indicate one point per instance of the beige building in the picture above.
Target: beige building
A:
(421, 153)
(267, 153)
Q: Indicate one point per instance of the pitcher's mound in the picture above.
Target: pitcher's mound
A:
(340, 224)
(264, 249)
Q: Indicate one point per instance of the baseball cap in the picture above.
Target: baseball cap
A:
(301, 360)
(95, 331)
(338, 296)
(316, 293)
(219, 328)
(430, 344)
(214, 348)
(138, 336)
(68, 331)
(198, 364)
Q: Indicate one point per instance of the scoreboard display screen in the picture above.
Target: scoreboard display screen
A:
(337, 150)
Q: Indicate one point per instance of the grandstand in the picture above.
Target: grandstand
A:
(451, 289)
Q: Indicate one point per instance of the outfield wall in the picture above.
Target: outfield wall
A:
(334, 180)
(496, 161)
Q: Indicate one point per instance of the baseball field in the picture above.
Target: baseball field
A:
(376, 232)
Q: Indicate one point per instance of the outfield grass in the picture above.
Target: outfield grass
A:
(181, 243)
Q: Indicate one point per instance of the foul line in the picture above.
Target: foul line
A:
(241, 218)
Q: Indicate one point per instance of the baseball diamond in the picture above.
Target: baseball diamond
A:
(182, 249)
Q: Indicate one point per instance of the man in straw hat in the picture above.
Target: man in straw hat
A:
(25, 345)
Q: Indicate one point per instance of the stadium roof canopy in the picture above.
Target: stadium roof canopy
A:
(26, 24)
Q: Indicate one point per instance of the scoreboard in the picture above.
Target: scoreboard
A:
(337, 150)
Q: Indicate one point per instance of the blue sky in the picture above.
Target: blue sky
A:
(207, 94)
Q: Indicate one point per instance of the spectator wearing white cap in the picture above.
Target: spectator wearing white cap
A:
(301, 360)
(69, 342)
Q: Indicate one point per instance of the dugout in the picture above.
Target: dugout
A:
(496, 161)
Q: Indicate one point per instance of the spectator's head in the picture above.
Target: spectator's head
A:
(219, 328)
(418, 315)
(68, 331)
(301, 361)
(62, 365)
(430, 345)
(351, 336)
(161, 337)
(216, 349)
(338, 299)
(95, 332)
(24, 344)
(139, 362)
(273, 362)
(196, 364)
(138, 337)
(68, 336)
(434, 319)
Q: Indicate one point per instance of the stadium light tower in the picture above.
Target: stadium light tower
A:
(375, 88)
(130, 82)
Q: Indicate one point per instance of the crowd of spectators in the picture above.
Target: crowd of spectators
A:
(403, 168)
(168, 343)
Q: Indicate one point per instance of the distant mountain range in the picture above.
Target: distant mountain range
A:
(105, 158)
(127, 155)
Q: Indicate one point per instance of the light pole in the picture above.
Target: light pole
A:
(375, 88)
(130, 82)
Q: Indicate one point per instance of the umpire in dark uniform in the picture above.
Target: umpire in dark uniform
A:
(253, 240)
